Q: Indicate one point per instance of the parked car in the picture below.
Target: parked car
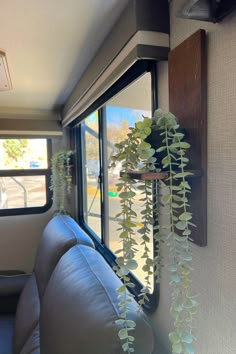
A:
(35, 164)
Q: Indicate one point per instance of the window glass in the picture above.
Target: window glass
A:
(121, 113)
(23, 154)
(22, 192)
(91, 171)
(21, 185)
(100, 131)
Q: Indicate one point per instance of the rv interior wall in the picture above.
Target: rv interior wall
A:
(214, 275)
(19, 236)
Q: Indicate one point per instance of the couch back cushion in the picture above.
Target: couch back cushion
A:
(27, 314)
(80, 307)
(60, 234)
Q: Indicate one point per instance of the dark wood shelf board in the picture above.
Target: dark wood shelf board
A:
(146, 175)
(151, 176)
(188, 101)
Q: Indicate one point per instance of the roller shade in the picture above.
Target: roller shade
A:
(28, 127)
(140, 33)
(26, 122)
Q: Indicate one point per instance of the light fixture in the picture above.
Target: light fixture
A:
(5, 80)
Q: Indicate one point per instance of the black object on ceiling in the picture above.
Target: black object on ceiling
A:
(207, 10)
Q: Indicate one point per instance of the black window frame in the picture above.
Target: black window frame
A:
(134, 73)
(31, 172)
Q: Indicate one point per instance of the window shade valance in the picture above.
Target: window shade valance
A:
(141, 33)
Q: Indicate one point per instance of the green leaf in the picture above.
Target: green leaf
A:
(172, 267)
(174, 338)
(166, 198)
(144, 145)
(179, 135)
(183, 174)
(166, 160)
(181, 144)
(185, 216)
(132, 264)
(177, 348)
(187, 339)
(186, 256)
(175, 278)
(119, 322)
(181, 225)
(146, 154)
(185, 185)
(123, 333)
(121, 289)
(127, 195)
(147, 131)
(160, 149)
(124, 234)
(189, 348)
(131, 323)
(187, 232)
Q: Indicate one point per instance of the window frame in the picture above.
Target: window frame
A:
(31, 172)
(133, 74)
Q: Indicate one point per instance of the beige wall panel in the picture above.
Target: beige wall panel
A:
(215, 265)
(19, 237)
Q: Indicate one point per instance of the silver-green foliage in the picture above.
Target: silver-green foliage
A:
(133, 152)
(178, 231)
(61, 179)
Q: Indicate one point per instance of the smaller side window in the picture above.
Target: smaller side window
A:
(24, 176)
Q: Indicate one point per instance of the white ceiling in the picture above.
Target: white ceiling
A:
(48, 44)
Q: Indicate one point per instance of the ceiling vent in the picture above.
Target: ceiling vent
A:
(207, 10)
(5, 80)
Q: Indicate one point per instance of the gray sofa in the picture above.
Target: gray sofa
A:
(69, 304)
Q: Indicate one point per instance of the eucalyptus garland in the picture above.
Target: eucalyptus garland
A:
(134, 152)
(61, 179)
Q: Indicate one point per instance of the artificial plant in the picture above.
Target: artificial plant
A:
(170, 155)
(61, 179)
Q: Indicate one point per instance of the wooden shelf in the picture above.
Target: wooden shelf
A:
(188, 101)
(151, 176)
(146, 175)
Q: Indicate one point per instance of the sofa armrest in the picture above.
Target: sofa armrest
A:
(12, 284)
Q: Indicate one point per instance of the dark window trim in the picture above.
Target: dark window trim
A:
(31, 172)
(135, 72)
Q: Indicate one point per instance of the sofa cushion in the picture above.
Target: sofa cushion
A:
(80, 307)
(6, 333)
(27, 314)
(32, 346)
(60, 234)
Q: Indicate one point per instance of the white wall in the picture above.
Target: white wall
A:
(215, 265)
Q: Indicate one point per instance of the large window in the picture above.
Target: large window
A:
(24, 176)
(98, 133)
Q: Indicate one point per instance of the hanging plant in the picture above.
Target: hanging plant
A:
(171, 156)
(61, 179)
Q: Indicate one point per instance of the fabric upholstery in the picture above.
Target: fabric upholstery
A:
(60, 234)
(6, 333)
(27, 314)
(32, 346)
(80, 307)
(12, 284)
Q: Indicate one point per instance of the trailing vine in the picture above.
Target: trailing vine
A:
(61, 179)
(183, 305)
(133, 152)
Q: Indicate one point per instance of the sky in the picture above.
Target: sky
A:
(115, 115)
